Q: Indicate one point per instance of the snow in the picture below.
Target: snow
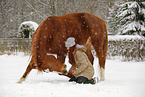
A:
(125, 79)
(127, 3)
(32, 25)
(143, 3)
(123, 37)
(29, 25)
(131, 26)
(123, 18)
(130, 4)
(133, 4)
(123, 13)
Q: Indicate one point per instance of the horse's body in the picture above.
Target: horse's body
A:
(52, 33)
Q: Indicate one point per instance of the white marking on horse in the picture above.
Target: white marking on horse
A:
(102, 74)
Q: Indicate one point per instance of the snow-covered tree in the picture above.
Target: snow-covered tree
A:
(112, 20)
(14, 12)
(128, 18)
(27, 29)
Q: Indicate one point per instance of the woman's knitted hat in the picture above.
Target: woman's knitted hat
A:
(70, 42)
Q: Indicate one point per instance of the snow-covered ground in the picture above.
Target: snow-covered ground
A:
(123, 79)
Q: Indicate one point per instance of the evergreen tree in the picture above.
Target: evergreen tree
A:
(112, 20)
(128, 18)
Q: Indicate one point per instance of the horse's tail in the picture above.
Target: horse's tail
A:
(105, 45)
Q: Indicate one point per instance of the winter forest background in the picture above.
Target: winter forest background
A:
(20, 18)
(122, 16)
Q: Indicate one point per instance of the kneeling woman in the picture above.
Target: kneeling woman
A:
(83, 71)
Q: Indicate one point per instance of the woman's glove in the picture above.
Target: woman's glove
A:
(73, 71)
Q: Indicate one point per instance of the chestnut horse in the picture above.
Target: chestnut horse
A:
(52, 33)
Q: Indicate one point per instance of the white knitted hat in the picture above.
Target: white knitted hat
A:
(79, 46)
(70, 42)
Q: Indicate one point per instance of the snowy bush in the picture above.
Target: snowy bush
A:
(129, 47)
(27, 29)
(128, 18)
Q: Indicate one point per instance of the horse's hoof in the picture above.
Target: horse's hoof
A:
(21, 80)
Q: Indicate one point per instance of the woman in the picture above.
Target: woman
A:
(83, 70)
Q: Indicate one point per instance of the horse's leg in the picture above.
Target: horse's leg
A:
(101, 63)
(98, 46)
(61, 56)
(70, 55)
(89, 53)
(29, 68)
(104, 50)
